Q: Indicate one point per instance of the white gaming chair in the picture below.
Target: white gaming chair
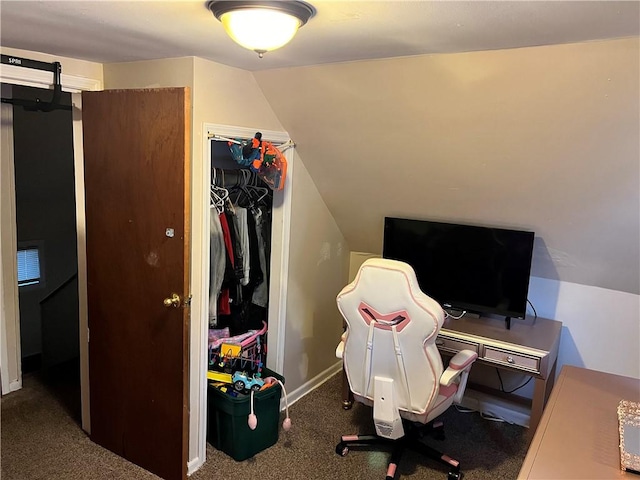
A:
(392, 362)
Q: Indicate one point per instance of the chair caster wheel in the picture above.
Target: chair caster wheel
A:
(342, 449)
(454, 476)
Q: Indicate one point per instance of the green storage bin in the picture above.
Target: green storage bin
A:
(227, 427)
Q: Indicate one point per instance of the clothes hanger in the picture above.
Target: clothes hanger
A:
(254, 184)
(243, 196)
(256, 192)
(237, 189)
(227, 200)
(217, 201)
(262, 192)
(219, 195)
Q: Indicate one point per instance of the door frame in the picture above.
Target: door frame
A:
(10, 356)
(281, 227)
(10, 340)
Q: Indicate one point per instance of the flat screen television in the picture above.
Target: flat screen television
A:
(477, 269)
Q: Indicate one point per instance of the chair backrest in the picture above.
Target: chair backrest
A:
(391, 331)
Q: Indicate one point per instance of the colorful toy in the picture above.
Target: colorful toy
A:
(242, 382)
(219, 376)
(262, 157)
(242, 353)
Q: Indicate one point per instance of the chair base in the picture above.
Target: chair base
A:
(411, 441)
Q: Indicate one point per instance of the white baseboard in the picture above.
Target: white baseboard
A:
(193, 465)
(311, 385)
(496, 407)
(17, 385)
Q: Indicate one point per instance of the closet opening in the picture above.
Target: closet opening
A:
(244, 181)
(222, 174)
(239, 272)
(240, 245)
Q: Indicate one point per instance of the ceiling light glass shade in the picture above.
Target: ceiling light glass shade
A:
(260, 30)
(261, 26)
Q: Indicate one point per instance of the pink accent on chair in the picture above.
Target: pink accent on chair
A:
(449, 391)
(445, 394)
(450, 460)
(350, 438)
(402, 316)
(391, 471)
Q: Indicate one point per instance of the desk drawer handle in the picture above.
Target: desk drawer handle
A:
(510, 359)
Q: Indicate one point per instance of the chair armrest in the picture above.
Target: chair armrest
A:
(460, 363)
(340, 347)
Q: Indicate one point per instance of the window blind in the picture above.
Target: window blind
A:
(28, 267)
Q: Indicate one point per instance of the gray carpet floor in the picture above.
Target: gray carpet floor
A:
(41, 439)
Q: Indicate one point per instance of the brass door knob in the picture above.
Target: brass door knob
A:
(172, 301)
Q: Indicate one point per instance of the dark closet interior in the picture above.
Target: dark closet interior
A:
(239, 279)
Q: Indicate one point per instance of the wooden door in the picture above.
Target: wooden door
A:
(136, 154)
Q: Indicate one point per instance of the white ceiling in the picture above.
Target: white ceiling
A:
(120, 31)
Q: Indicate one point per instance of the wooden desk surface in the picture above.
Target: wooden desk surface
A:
(577, 437)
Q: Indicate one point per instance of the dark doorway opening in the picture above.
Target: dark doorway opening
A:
(46, 229)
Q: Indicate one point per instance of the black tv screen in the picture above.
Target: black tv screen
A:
(476, 269)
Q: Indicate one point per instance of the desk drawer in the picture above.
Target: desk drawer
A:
(451, 345)
(509, 358)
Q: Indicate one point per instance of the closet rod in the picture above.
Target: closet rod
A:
(219, 138)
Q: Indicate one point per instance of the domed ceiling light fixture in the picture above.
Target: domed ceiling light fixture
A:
(259, 25)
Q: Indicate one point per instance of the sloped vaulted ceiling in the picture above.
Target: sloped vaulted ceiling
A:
(542, 138)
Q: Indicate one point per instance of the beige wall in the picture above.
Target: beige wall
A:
(170, 72)
(543, 138)
(318, 269)
(230, 96)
